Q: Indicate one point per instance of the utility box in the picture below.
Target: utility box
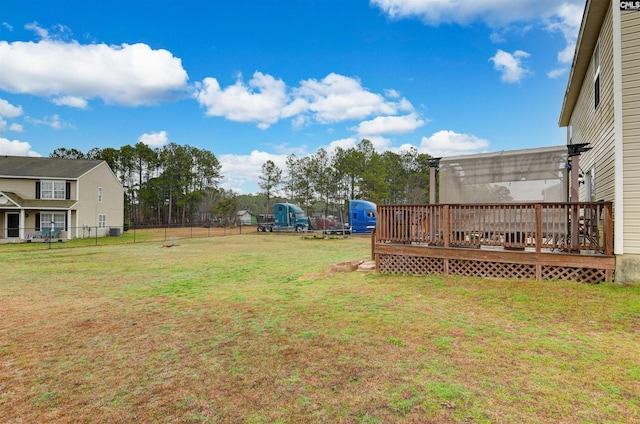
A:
(114, 232)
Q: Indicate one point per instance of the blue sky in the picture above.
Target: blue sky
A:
(252, 80)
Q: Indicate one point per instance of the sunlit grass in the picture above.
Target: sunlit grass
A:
(256, 328)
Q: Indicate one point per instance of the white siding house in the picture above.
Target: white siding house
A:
(601, 108)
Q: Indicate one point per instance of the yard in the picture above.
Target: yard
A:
(257, 329)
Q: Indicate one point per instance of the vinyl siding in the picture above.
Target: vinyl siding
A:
(26, 188)
(630, 25)
(112, 199)
(596, 126)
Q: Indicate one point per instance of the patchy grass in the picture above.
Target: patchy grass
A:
(257, 329)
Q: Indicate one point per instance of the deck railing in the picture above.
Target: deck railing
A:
(550, 227)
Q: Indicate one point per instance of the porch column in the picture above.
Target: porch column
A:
(22, 224)
(574, 151)
(69, 227)
(433, 167)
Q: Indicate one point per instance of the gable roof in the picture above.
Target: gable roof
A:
(30, 167)
(592, 19)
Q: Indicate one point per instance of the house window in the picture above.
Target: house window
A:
(99, 194)
(52, 190)
(58, 220)
(102, 221)
(596, 76)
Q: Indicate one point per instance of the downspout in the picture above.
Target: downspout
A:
(618, 204)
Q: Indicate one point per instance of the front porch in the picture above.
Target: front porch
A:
(544, 241)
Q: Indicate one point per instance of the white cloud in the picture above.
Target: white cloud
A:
(40, 32)
(552, 15)
(556, 73)
(8, 110)
(71, 101)
(261, 101)
(266, 100)
(510, 65)
(337, 98)
(241, 172)
(448, 143)
(16, 128)
(389, 125)
(154, 139)
(129, 75)
(52, 121)
(7, 26)
(492, 12)
(16, 148)
(344, 143)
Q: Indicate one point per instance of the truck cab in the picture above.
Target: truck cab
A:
(362, 216)
(286, 217)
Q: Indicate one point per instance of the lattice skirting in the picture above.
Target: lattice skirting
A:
(419, 265)
(491, 269)
(584, 275)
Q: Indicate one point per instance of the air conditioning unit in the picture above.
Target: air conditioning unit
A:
(114, 231)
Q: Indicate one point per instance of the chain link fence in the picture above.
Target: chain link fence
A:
(50, 238)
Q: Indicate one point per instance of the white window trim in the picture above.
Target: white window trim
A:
(58, 188)
(596, 76)
(102, 220)
(57, 218)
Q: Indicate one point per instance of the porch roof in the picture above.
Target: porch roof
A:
(47, 204)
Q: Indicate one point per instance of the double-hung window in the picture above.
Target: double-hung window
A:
(58, 220)
(53, 190)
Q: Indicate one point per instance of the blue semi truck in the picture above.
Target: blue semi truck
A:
(362, 216)
(286, 217)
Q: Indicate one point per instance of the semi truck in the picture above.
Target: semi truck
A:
(286, 217)
(362, 216)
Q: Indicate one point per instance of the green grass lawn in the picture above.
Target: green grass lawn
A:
(258, 329)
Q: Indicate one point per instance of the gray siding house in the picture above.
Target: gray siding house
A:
(601, 110)
(63, 198)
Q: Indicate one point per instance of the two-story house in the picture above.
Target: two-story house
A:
(601, 111)
(66, 198)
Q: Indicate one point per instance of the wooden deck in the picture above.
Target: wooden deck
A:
(544, 241)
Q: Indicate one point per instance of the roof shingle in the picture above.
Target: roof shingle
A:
(23, 166)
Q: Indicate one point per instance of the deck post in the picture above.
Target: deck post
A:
(608, 229)
(433, 167)
(446, 231)
(539, 234)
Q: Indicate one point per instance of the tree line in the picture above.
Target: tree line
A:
(179, 184)
(174, 184)
(324, 182)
